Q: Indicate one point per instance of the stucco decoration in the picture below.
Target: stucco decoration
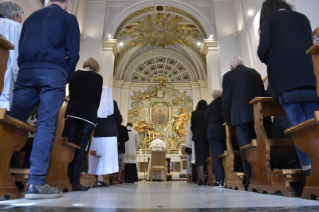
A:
(169, 94)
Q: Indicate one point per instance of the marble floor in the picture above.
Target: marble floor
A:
(170, 196)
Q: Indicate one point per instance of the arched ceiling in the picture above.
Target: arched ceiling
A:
(165, 28)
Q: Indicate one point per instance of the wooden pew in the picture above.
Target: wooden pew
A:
(264, 178)
(210, 167)
(13, 133)
(306, 137)
(233, 179)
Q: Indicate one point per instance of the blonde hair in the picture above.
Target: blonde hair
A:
(217, 93)
(91, 63)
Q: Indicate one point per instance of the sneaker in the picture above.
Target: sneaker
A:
(42, 192)
(101, 184)
(79, 187)
(218, 184)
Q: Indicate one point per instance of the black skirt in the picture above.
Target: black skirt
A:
(130, 173)
(201, 152)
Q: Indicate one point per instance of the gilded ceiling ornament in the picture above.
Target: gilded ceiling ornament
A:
(162, 30)
(136, 112)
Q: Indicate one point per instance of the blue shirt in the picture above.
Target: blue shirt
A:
(50, 38)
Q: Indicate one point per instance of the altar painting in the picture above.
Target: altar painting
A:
(160, 113)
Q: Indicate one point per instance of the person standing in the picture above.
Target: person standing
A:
(81, 114)
(130, 155)
(104, 141)
(200, 138)
(122, 138)
(240, 85)
(216, 133)
(48, 53)
(10, 28)
(290, 70)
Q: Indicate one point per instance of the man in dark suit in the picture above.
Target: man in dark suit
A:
(48, 53)
(216, 133)
(240, 85)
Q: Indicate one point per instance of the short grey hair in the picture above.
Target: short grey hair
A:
(9, 9)
(217, 93)
(237, 61)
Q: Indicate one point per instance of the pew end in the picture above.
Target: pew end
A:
(258, 153)
(14, 135)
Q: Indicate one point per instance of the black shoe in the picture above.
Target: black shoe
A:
(79, 187)
(202, 183)
(120, 182)
(101, 184)
(42, 192)
(218, 184)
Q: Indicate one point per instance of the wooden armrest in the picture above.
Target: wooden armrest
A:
(281, 142)
(304, 124)
(5, 43)
(223, 155)
(314, 49)
(262, 99)
(66, 143)
(93, 153)
(292, 171)
(19, 171)
(15, 122)
(247, 146)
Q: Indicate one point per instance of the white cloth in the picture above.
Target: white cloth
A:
(106, 107)
(190, 143)
(130, 146)
(156, 145)
(11, 30)
(107, 162)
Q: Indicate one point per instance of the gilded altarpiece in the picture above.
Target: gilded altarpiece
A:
(163, 111)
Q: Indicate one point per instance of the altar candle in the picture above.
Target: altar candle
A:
(153, 135)
(167, 134)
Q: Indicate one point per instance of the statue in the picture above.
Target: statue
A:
(182, 121)
(141, 126)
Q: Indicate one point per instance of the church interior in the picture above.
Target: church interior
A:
(160, 58)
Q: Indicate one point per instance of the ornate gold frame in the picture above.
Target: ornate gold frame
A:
(169, 113)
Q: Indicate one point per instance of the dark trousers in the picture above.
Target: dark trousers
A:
(217, 146)
(245, 133)
(78, 132)
(48, 87)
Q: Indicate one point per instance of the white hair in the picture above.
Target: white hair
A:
(237, 61)
(9, 9)
(217, 93)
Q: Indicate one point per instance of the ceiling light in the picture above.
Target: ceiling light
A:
(199, 43)
(211, 36)
(250, 12)
(109, 36)
(121, 43)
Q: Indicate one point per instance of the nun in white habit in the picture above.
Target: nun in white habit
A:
(104, 141)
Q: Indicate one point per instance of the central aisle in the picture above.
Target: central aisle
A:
(162, 195)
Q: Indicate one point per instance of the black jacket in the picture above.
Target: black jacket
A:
(107, 127)
(122, 138)
(214, 119)
(284, 39)
(50, 38)
(198, 126)
(85, 94)
(240, 86)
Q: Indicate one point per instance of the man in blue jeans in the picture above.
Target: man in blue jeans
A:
(48, 54)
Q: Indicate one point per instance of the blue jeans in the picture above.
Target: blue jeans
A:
(48, 87)
(298, 112)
